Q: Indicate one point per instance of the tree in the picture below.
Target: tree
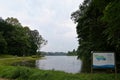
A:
(72, 53)
(91, 29)
(13, 21)
(35, 39)
(18, 40)
(3, 44)
(112, 31)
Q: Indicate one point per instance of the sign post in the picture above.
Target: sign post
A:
(103, 60)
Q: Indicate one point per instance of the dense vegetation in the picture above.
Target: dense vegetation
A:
(8, 60)
(24, 73)
(53, 53)
(72, 53)
(18, 40)
(98, 28)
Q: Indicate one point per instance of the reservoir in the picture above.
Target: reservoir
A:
(69, 64)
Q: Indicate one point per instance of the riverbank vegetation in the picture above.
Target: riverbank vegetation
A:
(24, 73)
(8, 72)
(72, 53)
(19, 40)
(98, 29)
(7, 60)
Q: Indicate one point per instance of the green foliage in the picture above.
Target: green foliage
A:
(18, 40)
(7, 60)
(98, 27)
(72, 53)
(112, 17)
(13, 21)
(3, 44)
(23, 73)
(8, 73)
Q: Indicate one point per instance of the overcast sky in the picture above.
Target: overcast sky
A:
(50, 17)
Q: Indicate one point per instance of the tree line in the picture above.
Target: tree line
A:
(98, 28)
(19, 40)
(72, 53)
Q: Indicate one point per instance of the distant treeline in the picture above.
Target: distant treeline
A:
(18, 40)
(53, 53)
(72, 53)
(69, 53)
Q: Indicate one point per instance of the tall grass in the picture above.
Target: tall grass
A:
(6, 61)
(6, 56)
(24, 73)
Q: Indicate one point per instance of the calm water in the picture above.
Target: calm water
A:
(68, 64)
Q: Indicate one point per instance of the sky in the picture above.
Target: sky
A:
(50, 17)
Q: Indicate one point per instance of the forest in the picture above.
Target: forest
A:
(98, 29)
(19, 40)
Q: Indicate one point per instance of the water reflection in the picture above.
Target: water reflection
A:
(68, 64)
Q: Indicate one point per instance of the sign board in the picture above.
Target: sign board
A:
(103, 60)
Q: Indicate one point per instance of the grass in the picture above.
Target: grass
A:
(6, 56)
(25, 73)
(7, 60)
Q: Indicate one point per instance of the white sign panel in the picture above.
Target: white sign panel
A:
(103, 60)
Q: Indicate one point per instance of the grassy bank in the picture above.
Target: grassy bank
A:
(24, 73)
(6, 60)
(8, 72)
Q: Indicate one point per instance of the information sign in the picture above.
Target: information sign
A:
(103, 60)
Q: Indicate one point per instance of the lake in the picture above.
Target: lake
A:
(68, 64)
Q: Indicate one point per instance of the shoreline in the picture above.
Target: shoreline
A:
(8, 72)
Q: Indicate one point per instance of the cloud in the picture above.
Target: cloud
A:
(50, 17)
